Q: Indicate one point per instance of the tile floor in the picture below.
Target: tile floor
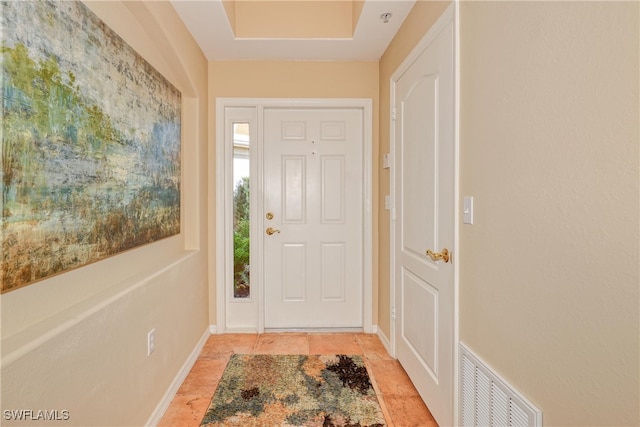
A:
(401, 405)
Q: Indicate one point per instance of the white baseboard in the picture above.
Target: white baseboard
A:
(384, 340)
(168, 396)
(213, 329)
(241, 330)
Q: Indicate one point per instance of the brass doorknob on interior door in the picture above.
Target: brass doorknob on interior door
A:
(271, 231)
(437, 256)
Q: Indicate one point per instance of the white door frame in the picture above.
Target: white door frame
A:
(224, 203)
(451, 14)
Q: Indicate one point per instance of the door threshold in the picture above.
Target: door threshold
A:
(313, 330)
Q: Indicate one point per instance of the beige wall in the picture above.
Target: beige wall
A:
(549, 149)
(78, 341)
(293, 19)
(292, 79)
(300, 79)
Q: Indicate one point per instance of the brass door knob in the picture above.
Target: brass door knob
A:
(437, 256)
(271, 231)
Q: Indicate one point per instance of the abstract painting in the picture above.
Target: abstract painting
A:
(90, 143)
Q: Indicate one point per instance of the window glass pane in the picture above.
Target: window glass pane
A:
(241, 210)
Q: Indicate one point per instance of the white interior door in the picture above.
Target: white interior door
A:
(424, 203)
(313, 204)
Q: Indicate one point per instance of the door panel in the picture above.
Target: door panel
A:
(333, 271)
(424, 202)
(293, 272)
(294, 177)
(420, 319)
(313, 184)
(294, 131)
(333, 185)
(418, 114)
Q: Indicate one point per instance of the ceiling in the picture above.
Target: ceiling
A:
(259, 29)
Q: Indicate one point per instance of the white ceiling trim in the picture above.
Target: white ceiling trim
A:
(210, 27)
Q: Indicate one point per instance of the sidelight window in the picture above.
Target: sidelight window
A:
(241, 211)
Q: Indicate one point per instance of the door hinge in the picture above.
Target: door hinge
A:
(393, 313)
(393, 113)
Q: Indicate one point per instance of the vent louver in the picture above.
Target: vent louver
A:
(486, 400)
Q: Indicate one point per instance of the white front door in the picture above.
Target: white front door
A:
(313, 204)
(424, 202)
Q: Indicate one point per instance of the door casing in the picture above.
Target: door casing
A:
(451, 14)
(224, 209)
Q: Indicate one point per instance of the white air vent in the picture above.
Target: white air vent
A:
(486, 400)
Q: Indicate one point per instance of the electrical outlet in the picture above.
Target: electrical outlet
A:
(151, 341)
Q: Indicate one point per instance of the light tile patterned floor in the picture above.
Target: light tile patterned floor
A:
(401, 405)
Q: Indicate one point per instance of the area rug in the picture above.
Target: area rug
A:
(294, 390)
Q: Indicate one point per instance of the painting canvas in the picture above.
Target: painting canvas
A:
(90, 143)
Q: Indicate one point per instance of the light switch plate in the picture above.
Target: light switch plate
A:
(467, 210)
